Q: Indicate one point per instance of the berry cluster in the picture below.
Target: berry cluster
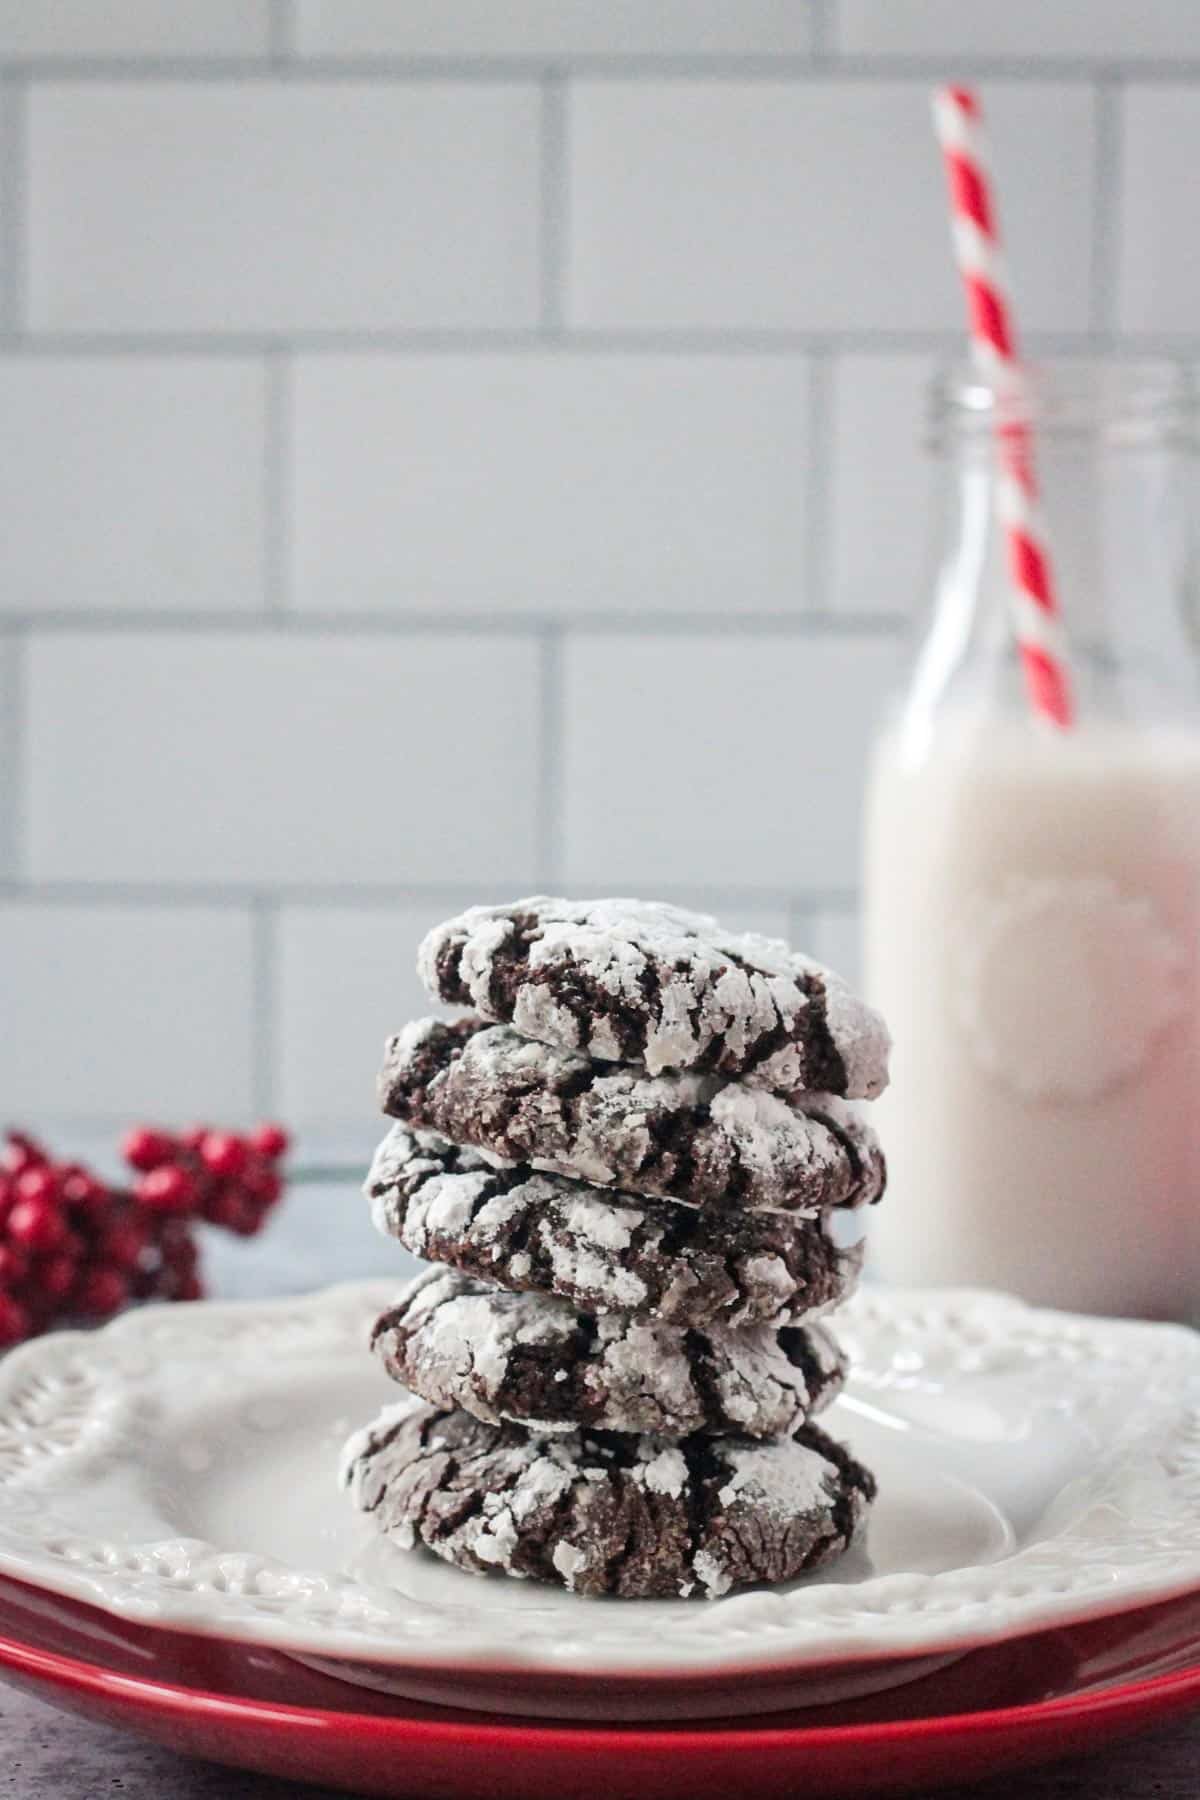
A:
(75, 1247)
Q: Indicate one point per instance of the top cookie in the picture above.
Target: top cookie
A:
(634, 981)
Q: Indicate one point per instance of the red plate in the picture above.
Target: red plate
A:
(1003, 1708)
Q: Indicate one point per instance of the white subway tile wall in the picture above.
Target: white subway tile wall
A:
(1159, 267)
(525, 28)
(123, 1011)
(226, 206)
(454, 450)
(882, 488)
(132, 483)
(519, 483)
(1025, 30)
(346, 981)
(253, 759)
(834, 939)
(689, 758)
(777, 205)
(73, 29)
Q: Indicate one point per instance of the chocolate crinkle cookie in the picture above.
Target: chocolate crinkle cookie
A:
(533, 1358)
(635, 981)
(693, 1138)
(605, 1251)
(608, 1514)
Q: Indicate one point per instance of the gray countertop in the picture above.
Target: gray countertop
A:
(323, 1235)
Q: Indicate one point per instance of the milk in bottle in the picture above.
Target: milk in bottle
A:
(1032, 895)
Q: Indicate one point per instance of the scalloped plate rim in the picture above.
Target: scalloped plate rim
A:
(898, 1633)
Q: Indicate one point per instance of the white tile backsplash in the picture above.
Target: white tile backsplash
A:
(1159, 266)
(11, 752)
(412, 373)
(811, 205)
(718, 760)
(552, 27)
(231, 757)
(131, 482)
(1024, 29)
(835, 939)
(882, 484)
(120, 28)
(550, 483)
(125, 1012)
(244, 206)
(347, 980)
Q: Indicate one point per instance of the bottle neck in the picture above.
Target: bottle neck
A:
(1117, 521)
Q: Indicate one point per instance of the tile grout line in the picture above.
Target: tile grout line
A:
(1106, 203)
(553, 221)
(277, 440)
(281, 62)
(246, 896)
(723, 341)
(301, 623)
(818, 489)
(13, 718)
(550, 751)
(14, 209)
(264, 1003)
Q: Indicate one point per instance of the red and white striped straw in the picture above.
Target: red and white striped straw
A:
(1036, 618)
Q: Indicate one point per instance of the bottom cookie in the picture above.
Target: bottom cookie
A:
(604, 1513)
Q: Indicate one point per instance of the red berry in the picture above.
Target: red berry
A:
(15, 1320)
(100, 1292)
(233, 1210)
(222, 1153)
(264, 1186)
(7, 1197)
(144, 1148)
(21, 1153)
(188, 1287)
(37, 1225)
(81, 1189)
(122, 1243)
(169, 1189)
(180, 1256)
(194, 1136)
(14, 1266)
(55, 1276)
(270, 1140)
(36, 1183)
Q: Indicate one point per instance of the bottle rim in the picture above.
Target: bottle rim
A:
(1121, 401)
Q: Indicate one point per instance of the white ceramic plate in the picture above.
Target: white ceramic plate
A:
(178, 1467)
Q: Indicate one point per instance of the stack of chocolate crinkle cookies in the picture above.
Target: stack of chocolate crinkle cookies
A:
(624, 1163)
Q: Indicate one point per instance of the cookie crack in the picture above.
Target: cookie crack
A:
(824, 1067)
(864, 1172)
(699, 1353)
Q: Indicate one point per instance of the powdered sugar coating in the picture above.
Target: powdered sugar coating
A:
(605, 1252)
(599, 1513)
(688, 1137)
(636, 981)
(533, 1358)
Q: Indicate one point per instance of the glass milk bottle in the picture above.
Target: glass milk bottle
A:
(1032, 894)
